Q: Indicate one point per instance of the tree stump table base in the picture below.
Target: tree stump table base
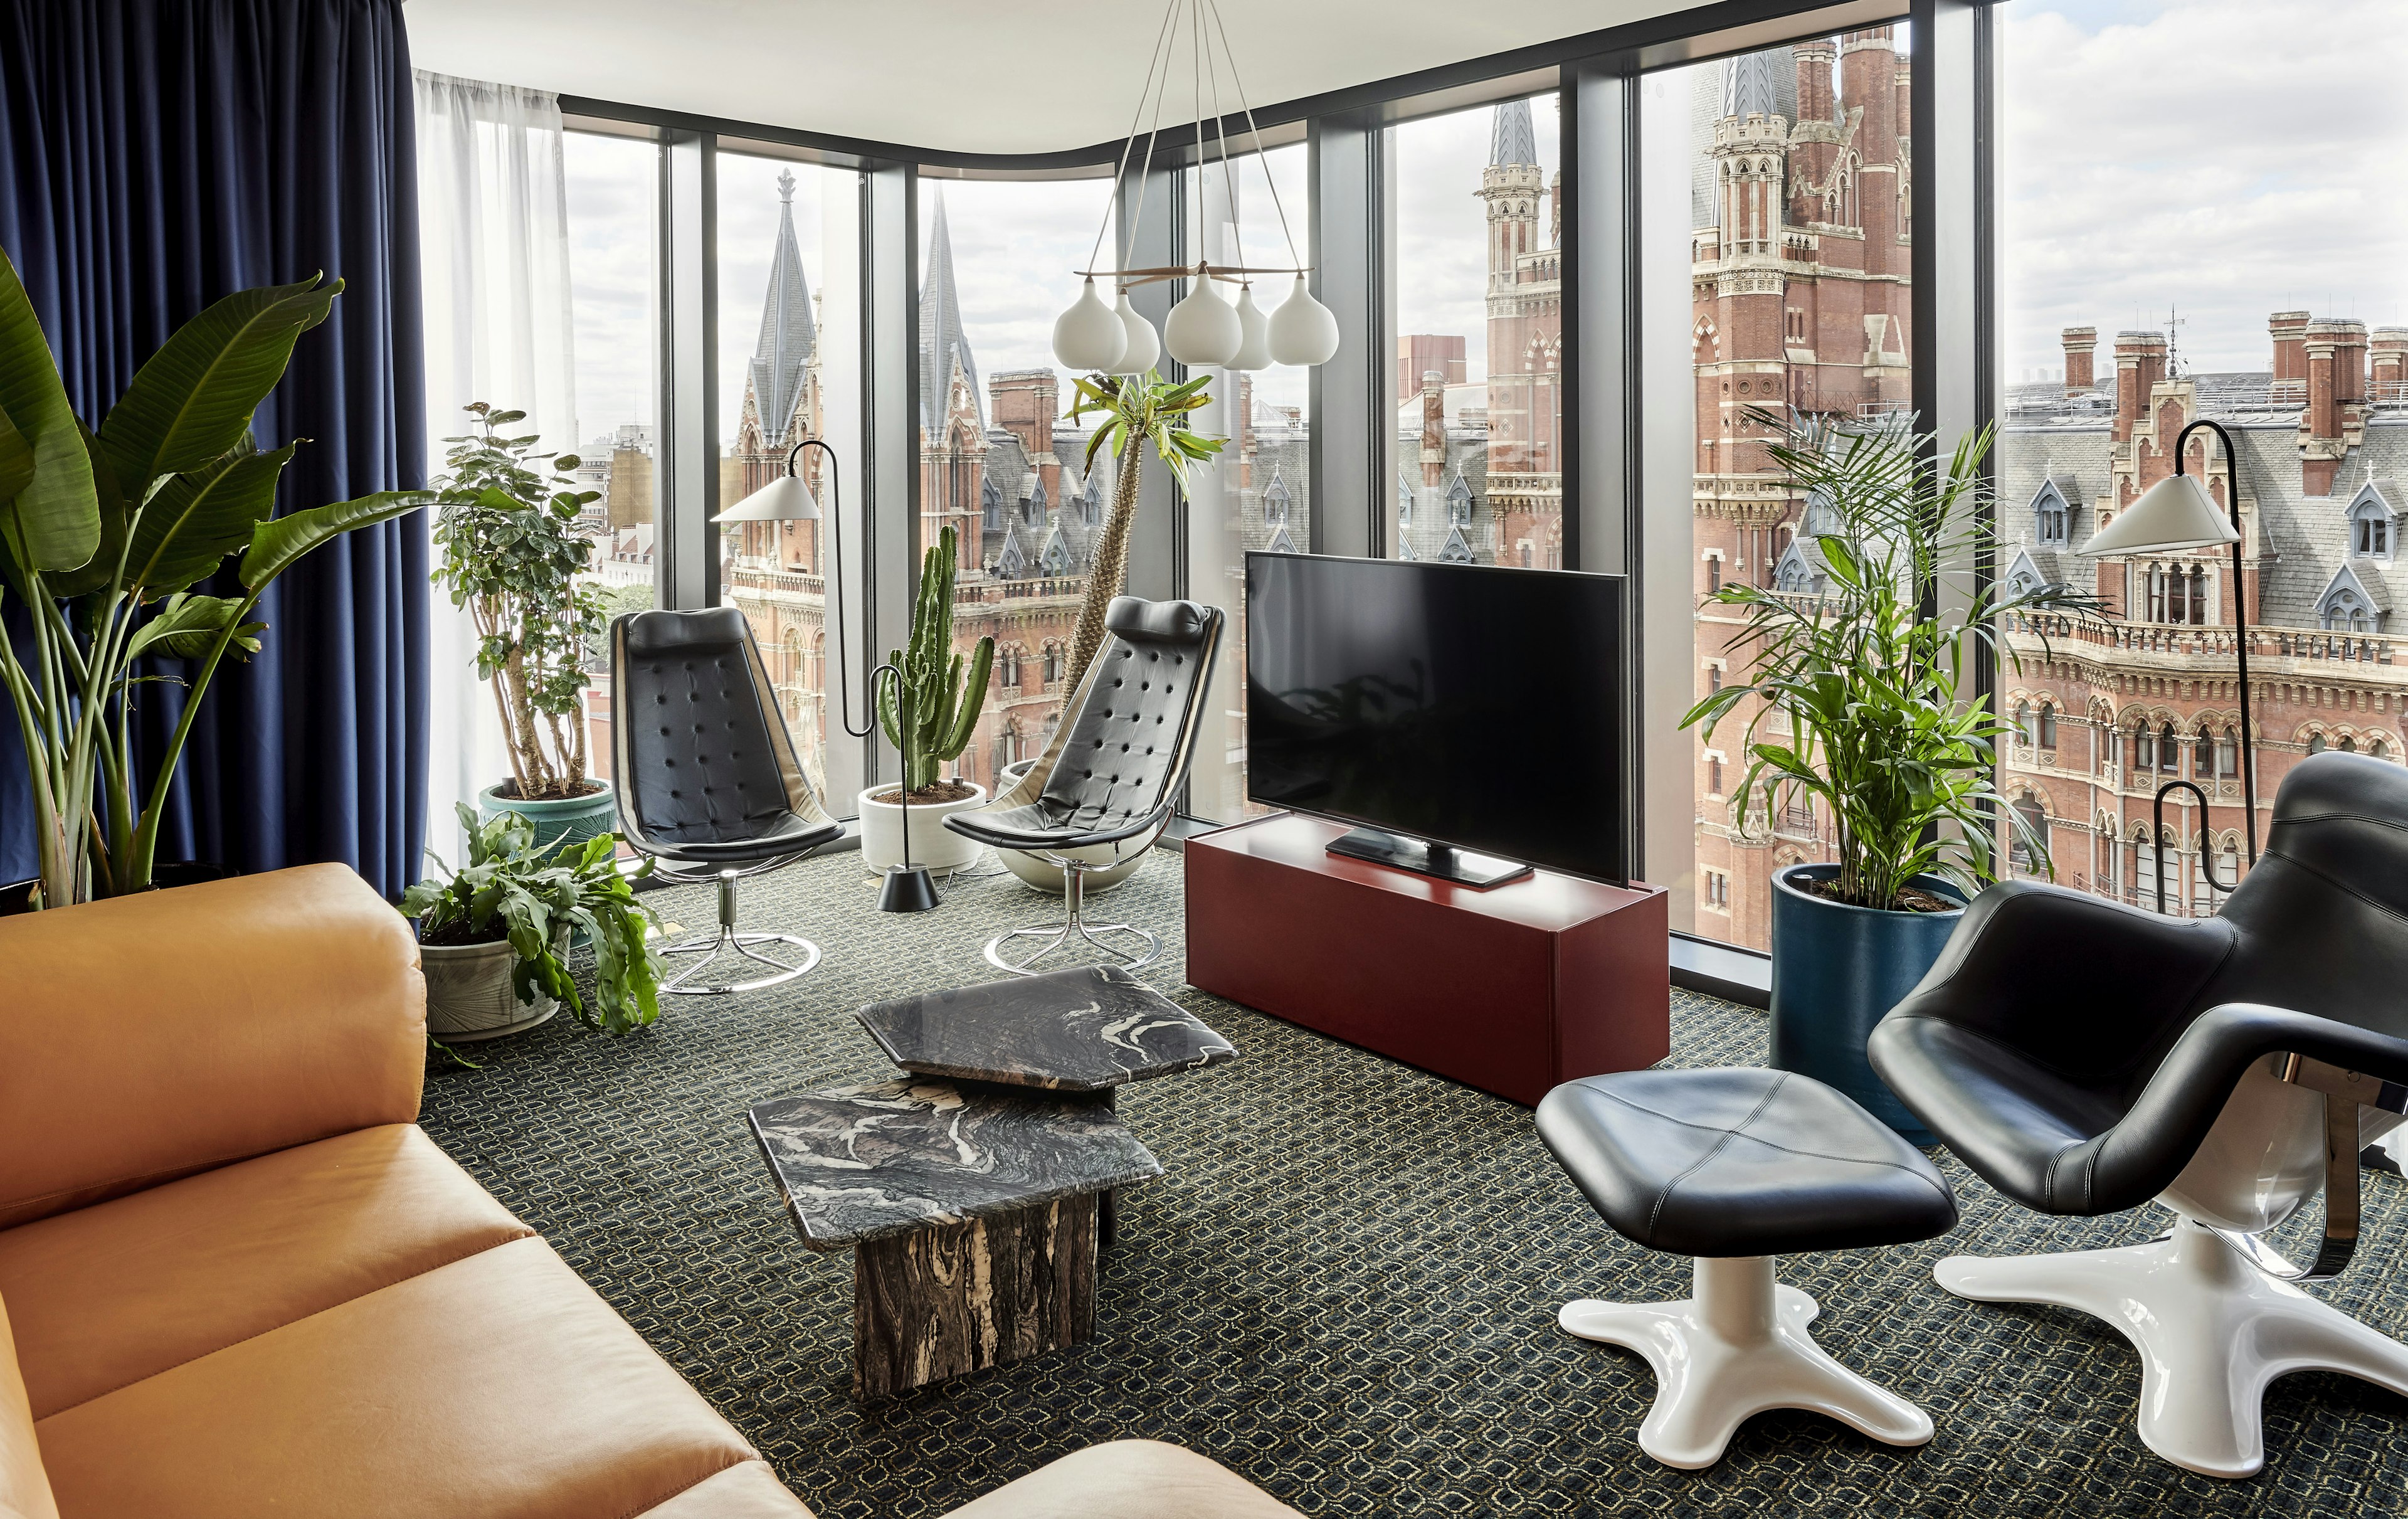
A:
(955, 1299)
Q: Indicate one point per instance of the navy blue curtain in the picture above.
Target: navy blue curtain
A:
(154, 156)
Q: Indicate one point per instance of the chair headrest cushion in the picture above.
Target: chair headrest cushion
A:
(667, 632)
(1157, 621)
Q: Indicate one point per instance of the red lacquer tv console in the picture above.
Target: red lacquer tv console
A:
(1513, 989)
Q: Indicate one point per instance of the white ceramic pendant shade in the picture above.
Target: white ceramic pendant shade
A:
(1302, 330)
(1142, 346)
(1203, 331)
(1254, 349)
(1090, 336)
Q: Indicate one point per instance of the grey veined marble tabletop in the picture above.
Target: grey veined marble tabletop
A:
(1084, 1030)
(865, 1162)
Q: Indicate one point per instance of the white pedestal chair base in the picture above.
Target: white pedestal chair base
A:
(1074, 927)
(2211, 1330)
(1740, 1347)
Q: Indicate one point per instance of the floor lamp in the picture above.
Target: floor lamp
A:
(908, 888)
(2176, 513)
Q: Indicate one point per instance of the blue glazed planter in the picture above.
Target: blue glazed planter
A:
(558, 822)
(1836, 970)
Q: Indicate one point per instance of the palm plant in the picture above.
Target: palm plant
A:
(1139, 411)
(105, 533)
(1871, 669)
(511, 555)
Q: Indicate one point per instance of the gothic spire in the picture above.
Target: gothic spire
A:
(787, 337)
(1761, 84)
(1511, 140)
(943, 342)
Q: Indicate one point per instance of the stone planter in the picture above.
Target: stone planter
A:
(468, 994)
(559, 822)
(1836, 970)
(933, 844)
(1039, 876)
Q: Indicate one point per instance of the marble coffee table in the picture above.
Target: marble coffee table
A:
(971, 1213)
(1084, 1030)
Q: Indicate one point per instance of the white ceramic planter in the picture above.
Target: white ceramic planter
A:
(933, 844)
(468, 994)
(1039, 876)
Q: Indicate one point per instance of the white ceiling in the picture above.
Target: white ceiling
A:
(965, 75)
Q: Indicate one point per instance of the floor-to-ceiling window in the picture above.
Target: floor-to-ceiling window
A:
(1779, 224)
(1258, 494)
(1000, 461)
(1477, 325)
(613, 193)
(2241, 255)
(786, 253)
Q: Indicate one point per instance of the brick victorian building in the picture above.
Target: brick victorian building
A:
(1799, 268)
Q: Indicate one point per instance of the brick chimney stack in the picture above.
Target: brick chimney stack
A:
(1025, 404)
(1813, 58)
(2290, 382)
(2336, 352)
(1433, 427)
(2140, 363)
(2388, 356)
(2349, 360)
(2080, 343)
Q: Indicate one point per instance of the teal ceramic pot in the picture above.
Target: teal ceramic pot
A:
(1836, 970)
(566, 819)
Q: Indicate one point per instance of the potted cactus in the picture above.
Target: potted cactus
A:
(928, 716)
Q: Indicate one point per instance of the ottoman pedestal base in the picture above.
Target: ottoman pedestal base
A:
(956, 1298)
(1738, 1348)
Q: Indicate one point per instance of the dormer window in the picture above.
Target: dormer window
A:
(991, 506)
(2052, 516)
(1458, 502)
(2373, 539)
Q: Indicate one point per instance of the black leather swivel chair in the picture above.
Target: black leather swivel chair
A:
(710, 784)
(1104, 787)
(2085, 1058)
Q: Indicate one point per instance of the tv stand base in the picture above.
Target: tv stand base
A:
(1445, 861)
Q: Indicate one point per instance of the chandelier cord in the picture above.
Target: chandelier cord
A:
(1153, 129)
(1253, 132)
(1129, 144)
(1228, 181)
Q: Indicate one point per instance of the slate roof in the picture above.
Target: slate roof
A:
(787, 339)
(1510, 138)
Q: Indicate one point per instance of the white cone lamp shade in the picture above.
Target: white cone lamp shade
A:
(2174, 513)
(1203, 330)
(1089, 336)
(1143, 348)
(1303, 331)
(784, 499)
(1254, 352)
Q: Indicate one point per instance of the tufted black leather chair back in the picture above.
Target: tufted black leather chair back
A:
(703, 753)
(1127, 743)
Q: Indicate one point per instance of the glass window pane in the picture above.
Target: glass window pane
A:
(1479, 337)
(2200, 276)
(613, 186)
(1258, 494)
(1000, 461)
(782, 228)
(1797, 278)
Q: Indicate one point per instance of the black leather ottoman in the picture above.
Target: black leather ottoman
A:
(1734, 1167)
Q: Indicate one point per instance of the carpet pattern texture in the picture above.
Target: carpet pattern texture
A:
(1344, 1287)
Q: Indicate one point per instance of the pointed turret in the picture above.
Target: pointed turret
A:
(944, 345)
(1511, 140)
(783, 354)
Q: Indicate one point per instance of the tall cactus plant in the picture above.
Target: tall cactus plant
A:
(943, 699)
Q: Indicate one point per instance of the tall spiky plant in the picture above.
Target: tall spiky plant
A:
(943, 698)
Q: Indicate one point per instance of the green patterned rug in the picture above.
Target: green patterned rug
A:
(1344, 1287)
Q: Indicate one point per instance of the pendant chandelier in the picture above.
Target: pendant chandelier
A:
(1206, 330)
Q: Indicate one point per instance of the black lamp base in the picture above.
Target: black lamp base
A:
(908, 891)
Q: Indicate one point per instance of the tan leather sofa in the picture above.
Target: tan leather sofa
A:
(237, 1280)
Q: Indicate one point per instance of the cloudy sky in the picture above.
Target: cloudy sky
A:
(2221, 158)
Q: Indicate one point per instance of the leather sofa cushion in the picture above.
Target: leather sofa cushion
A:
(751, 1490)
(495, 1387)
(156, 1036)
(109, 1295)
(24, 1490)
(1128, 1479)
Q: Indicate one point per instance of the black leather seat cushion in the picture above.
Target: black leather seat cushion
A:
(1740, 1161)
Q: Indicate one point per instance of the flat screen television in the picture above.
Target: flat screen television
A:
(1471, 709)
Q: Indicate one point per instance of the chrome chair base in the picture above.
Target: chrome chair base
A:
(710, 949)
(1074, 925)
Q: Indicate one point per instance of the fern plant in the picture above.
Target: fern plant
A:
(1883, 723)
(941, 697)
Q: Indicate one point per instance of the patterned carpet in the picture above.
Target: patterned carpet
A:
(1344, 1287)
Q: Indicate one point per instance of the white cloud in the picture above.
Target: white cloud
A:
(2225, 158)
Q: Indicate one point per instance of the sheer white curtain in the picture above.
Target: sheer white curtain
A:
(492, 209)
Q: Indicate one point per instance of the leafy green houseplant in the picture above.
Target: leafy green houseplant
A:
(1860, 695)
(104, 535)
(512, 893)
(509, 549)
(1137, 412)
(929, 714)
